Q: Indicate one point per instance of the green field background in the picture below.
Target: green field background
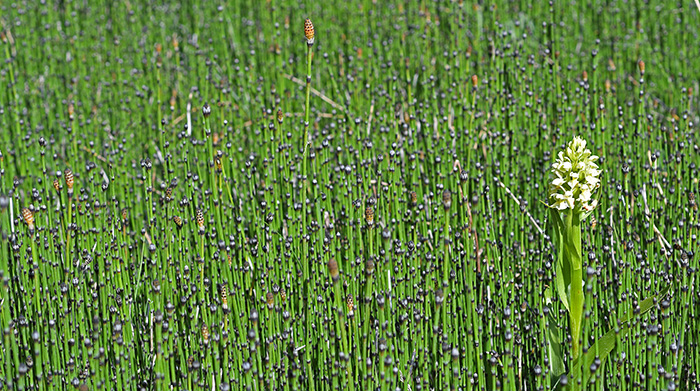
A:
(407, 247)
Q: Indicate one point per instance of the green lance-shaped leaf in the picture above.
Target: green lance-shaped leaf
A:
(576, 297)
(605, 345)
(556, 358)
(561, 270)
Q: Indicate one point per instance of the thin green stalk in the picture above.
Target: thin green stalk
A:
(307, 106)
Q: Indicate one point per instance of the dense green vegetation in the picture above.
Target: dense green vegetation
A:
(145, 245)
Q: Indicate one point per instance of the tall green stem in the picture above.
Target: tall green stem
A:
(576, 299)
(309, 51)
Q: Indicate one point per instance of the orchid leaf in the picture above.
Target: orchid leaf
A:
(556, 358)
(607, 343)
(560, 272)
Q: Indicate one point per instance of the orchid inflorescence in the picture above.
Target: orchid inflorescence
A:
(577, 178)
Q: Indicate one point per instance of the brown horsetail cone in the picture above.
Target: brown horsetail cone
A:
(69, 182)
(280, 116)
(270, 299)
(309, 31)
(219, 166)
(446, 199)
(351, 305)
(28, 218)
(200, 220)
(475, 80)
(594, 223)
(640, 64)
(333, 269)
(57, 185)
(369, 216)
(169, 194)
(224, 298)
(205, 334)
(283, 294)
(414, 198)
(178, 221)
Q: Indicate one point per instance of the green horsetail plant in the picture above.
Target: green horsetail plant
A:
(570, 202)
(310, 34)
